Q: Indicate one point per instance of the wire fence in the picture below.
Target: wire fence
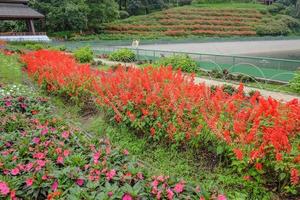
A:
(277, 70)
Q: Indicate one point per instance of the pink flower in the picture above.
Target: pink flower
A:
(44, 131)
(110, 174)
(15, 171)
(60, 160)
(13, 195)
(110, 194)
(4, 189)
(221, 197)
(36, 140)
(96, 157)
(58, 150)
(41, 163)
(170, 194)
(8, 103)
(39, 156)
(125, 152)
(44, 177)
(154, 183)
(29, 182)
(80, 182)
(179, 187)
(140, 175)
(127, 197)
(66, 153)
(65, 134)
(54, 186)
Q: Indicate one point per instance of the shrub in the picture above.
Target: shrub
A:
(273, 27)
(275, 8)
(183, 62)
(84, 54)
(123, 55)
(295, 82)
(34, 47)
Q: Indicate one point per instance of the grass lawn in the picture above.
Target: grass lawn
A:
(10, 69)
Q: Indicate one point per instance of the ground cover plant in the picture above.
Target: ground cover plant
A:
(43, 157)
(259, 137)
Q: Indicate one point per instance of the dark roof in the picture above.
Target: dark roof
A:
(14, 1)
(18, 11)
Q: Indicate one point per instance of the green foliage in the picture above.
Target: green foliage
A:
(272, 27)
(63, 15)
(10, 69)
(123, 14)
(101, 11)
(12, 26)
(34, 47)
(278, 25)
(84, 54)
(295, 82)
(123, 55)
(183, 62)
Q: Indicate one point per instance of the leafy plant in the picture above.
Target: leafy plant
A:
(123, 55)
(84, 54)
(295, 82)
(183, 62)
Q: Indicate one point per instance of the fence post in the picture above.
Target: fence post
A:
(154, 57)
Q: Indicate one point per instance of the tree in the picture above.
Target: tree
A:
(101, 11)
(63, 15)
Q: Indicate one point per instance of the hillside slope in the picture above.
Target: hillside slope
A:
(188, 20)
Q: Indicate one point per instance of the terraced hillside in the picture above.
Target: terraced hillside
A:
(184, 21)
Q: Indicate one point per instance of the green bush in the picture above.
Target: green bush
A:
(123, 55)
(278, 25)
(84, 54)
(291, 22)
(183, 62)
(275, 8)
(295, 82)
(35, 47)
(273, 27)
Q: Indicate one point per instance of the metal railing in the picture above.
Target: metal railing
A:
(21, 33)
(272, 69)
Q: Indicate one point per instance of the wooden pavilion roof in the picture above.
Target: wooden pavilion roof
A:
(17, 9)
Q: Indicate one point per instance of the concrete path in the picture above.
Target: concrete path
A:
(266, 93)
(209, 82)
(233, 48)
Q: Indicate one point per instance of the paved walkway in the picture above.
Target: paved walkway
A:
(266, 93)
(231, 48)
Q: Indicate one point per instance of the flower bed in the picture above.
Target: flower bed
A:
(220, 22)
(260, 136)
(42, 157)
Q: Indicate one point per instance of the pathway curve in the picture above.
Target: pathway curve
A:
(209, 82)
